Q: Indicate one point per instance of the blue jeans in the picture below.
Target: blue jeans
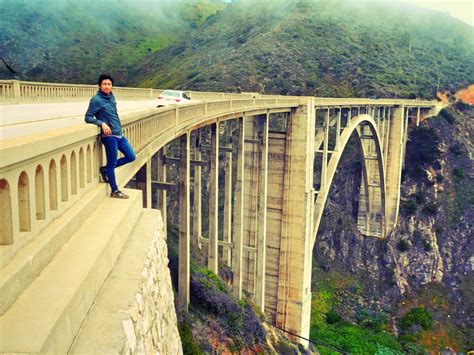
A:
(112, 145)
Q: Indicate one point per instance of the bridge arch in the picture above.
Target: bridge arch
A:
(372, 195)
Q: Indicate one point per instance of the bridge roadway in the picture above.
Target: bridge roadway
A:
(19, 120)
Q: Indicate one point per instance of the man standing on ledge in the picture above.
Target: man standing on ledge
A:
(104, 107)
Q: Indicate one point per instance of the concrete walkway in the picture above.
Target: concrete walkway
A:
(17, 120)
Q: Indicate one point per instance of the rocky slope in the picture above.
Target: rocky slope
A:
(427, 261)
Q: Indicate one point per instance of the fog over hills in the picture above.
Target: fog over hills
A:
(316, 47)
(72, 41)
(323, 48)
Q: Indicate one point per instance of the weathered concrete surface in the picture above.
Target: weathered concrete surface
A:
(134, 312)
(47, 315)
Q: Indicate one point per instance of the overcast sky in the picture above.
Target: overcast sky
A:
(460, 9)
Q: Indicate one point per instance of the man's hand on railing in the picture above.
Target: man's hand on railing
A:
(106, 129)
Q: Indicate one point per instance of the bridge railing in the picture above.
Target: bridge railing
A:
(26, 90)
(42, 176)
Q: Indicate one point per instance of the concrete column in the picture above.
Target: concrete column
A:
(262, 214)
(143, 179)
(387, 137)
(16, 89)
(294, 283)
(418, 117)
(228, 196)
(161, 198)
(394, 165)
(324, 167)
(213, 255)
(338, 129)
(197, 216)
(239, 212)
(405, 135)
(184, 222)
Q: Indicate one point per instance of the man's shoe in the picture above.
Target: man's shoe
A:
(118, 194)
(103, 174)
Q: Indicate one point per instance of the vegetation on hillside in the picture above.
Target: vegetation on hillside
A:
(322, 48)
(72, 41)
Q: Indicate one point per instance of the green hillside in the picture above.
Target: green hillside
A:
(318, 47)
(72, 41)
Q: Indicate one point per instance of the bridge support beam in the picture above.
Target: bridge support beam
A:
(161, 198)
(227, 252)
(294, 284)
(262, 214)
(197, 215)
(213, 255)
(143, 179)
(184, 223)
(239, 212)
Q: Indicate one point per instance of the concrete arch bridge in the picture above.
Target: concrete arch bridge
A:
(276, 156)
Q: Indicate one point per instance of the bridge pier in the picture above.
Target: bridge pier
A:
(197, 218)
(394, 152)
(290, 308)
(227, 235)
(213, 255)
(184, 222)
(238, 229)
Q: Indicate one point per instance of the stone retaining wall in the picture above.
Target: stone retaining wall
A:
(152, 324)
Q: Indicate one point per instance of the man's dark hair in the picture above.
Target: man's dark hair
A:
(103, 77)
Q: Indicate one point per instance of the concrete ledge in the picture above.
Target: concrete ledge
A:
(23, 267)
(102, 331)
(48, 315)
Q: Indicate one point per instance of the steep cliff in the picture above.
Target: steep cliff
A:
(426, 261)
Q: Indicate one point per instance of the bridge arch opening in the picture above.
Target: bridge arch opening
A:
(6, 227)
(95, 161)
(73, 173)
(64, 189)
(89, 164)
(82, 172)
(24, 202)
(53, 186)
(39, 193)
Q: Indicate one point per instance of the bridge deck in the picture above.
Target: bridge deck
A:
(26, 119)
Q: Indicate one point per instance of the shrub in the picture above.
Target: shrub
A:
(458, 173)
(431, 208)
(371, 320)
(456, 149)
(403, 245)
(237, 319)
(422, 150)
(427, 245)
(187, 341)
(417, 316)
(448, 114)
(462, 106)
(409, 207)
(417, 235)
(332, 317)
